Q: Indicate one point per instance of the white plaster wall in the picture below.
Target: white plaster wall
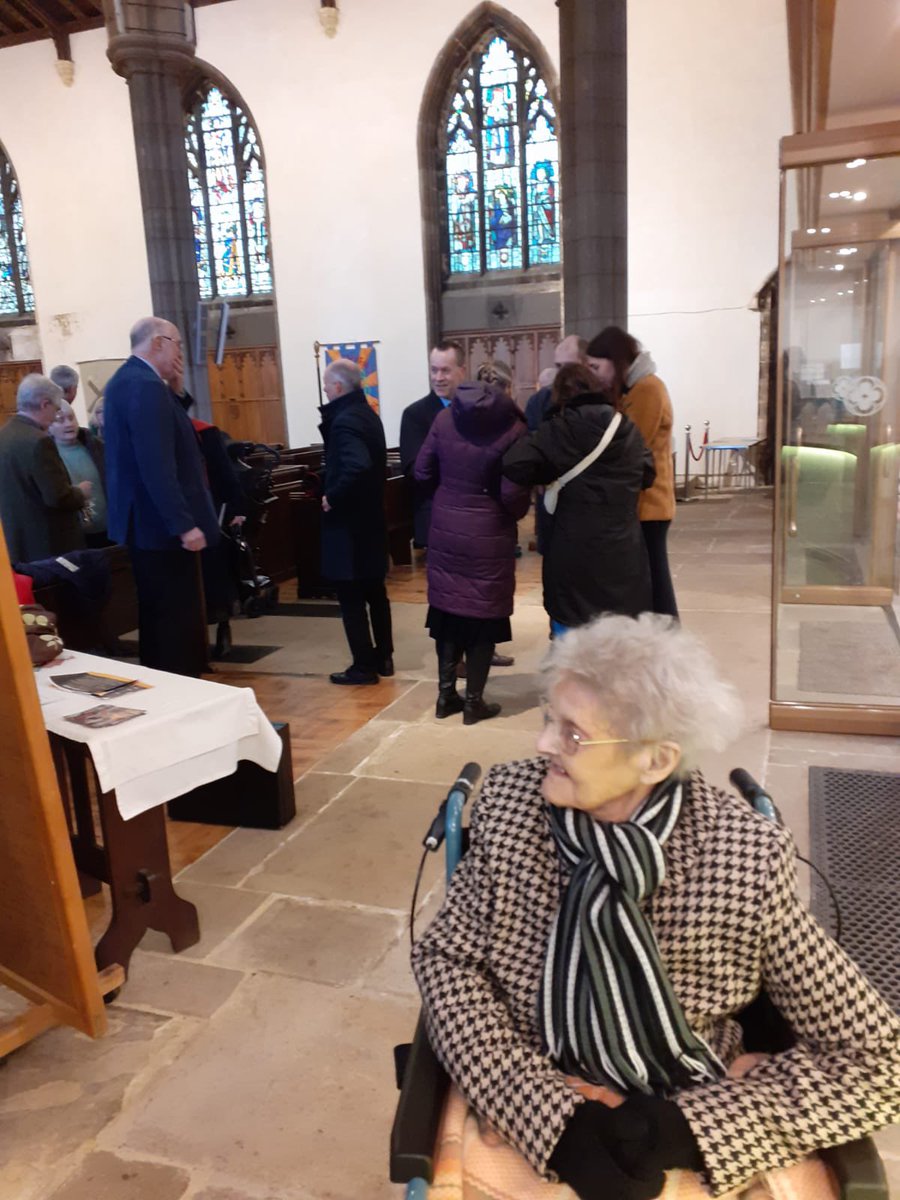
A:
(708, 100)
(73, 152)
(338, 121)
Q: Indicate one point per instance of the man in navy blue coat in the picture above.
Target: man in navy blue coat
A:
(446, 370)
(354, 530)
(158, 498)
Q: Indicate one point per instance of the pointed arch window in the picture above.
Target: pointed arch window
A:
(16, 295)
(228, 199)
(501, 164)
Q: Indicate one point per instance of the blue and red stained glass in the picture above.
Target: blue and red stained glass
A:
(16, 295)
(228, 200)
(502, 213)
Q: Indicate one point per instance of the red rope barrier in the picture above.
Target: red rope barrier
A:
(694, 456)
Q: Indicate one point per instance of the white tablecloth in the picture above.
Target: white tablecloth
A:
(192, 731)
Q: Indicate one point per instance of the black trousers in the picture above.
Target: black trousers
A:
(362, 600)
(171, 614)
(655, 534)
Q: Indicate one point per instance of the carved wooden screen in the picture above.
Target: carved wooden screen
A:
(526, 351)
(246, 395)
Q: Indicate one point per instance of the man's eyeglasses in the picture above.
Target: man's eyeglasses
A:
(571, 739)
(164, 337)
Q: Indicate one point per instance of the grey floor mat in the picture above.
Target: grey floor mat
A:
(854, 819)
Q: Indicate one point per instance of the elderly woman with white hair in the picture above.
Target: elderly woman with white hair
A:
(613, 916)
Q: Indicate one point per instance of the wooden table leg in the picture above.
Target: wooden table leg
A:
(73, 786)
(140, 880)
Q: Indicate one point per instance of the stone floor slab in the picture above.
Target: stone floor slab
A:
(171, 984)
(227, 863)
(59, 1091)
(352, 753)
(222, 910)
(393, 974)
(449, 745)
(105, 1177)
(311, 941)
(363, 849)
(291, 1085)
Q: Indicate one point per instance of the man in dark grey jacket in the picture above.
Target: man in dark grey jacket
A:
(39, 505)
(354, 533)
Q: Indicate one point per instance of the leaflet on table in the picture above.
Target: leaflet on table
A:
(103, 715)
(93, 683)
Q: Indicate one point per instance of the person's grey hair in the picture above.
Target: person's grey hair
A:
(346, 372)
(33, 390)
(145, 329)
(64, 377)
(653, 681)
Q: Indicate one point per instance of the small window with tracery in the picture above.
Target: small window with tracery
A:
(16, 295)
(228, 199)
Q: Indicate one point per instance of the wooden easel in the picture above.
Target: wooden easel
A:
(45, 947)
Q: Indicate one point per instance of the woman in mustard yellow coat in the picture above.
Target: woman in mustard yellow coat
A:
(628, 374)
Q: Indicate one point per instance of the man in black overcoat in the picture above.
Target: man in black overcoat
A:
(446, 368)
(354, 529)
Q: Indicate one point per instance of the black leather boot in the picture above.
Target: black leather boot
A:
(478, 664)
(449, 700)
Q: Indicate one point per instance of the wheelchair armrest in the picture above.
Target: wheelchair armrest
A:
(859, 1170)
(418, 1114)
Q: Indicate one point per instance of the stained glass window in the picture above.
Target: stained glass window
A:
(16, 296)
(228, 199)
(501, 165)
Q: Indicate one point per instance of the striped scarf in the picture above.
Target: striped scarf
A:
(607, 1011)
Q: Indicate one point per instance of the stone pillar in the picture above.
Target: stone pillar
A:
(593, 153)
(152, 45)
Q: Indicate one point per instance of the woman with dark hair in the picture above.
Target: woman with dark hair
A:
(595, 560)
(472, 540)
(627, 374)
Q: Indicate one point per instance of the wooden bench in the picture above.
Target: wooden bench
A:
(100, 630)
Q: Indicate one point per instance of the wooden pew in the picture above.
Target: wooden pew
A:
(289, 542)
(399, 513)
(98, 630)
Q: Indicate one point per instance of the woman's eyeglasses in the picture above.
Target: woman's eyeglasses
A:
(571, 739)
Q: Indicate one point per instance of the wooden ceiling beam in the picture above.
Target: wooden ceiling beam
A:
(72, 9)
(9, 13)
(40, 17)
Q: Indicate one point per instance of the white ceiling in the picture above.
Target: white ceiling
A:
(865, 60)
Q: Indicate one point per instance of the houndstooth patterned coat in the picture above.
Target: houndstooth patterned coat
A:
(728, 922)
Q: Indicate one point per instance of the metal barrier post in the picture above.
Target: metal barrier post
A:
(687, 460)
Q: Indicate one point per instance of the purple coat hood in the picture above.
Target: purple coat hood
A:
(472, 540)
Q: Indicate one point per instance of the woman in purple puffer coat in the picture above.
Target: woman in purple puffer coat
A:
(472, 540)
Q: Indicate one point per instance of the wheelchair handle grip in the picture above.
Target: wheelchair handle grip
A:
(468, 778)
(754, 793)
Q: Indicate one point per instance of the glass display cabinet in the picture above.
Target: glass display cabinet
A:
(835, 629)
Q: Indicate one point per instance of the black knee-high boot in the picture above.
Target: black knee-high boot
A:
(478, 664)
(449, 700)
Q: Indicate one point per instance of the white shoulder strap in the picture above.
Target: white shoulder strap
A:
(594, 454)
